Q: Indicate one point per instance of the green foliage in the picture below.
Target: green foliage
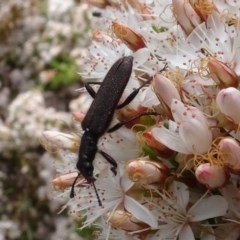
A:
(42, 7)
(65, 72)
(173, 161)
(159, 29)
(150, 152)
(87, 232)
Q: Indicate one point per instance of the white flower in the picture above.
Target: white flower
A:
(113, 193)
(201, 61)
(213, 37)
(189, 133)
(176, 216)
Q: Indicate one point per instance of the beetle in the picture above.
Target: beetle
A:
(100, 114)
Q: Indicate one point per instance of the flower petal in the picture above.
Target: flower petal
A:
(196, 136)
(186, 233)
(209, 207)
(166, 231)
(140, 212)
(170, 139)
(181, 192)
(126, 183)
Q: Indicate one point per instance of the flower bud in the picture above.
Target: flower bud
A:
(132, 39)
(78, 116)
(129, 112)
(124, 220)
(165, 90)
(156, 145)
(210, 175)
(147, 172)
(185, 15)
(222, 74)
(100, 36)
(142, 8)
(54, 140)
(66, 180)
(228, 101)
(231, 153)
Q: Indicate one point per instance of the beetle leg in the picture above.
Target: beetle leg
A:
(136, 91)
(120, 124)
(90, 90)
(132, 95)
(110, 160)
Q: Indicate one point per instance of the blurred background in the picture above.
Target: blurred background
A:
(42, 43)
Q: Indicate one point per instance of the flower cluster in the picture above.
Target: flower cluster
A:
(178, 172)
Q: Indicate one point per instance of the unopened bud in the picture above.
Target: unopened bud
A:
(228, 101)
(210, 175)
(156, 145)
(165, 90)
(230, 153)
(124, 220)
(147, 172)
(129, 112)
(66, 180)
(222, 74)
(132, 39)
(78, 116)
(54, 140)
(185, 15)
(142, 8)
(100, 36)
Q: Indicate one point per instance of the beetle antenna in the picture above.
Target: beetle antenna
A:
(72, 188)
(97, 195)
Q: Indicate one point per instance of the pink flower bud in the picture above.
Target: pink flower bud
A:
(185, 15)
(132, 39)
(78, 116)
(228, 101)
(210, 175)
(147, 172)
(66, 180)
(222, 74)
(100, 36)
(53, 140)
(165, 90)
(124, 220)
(230, 153)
